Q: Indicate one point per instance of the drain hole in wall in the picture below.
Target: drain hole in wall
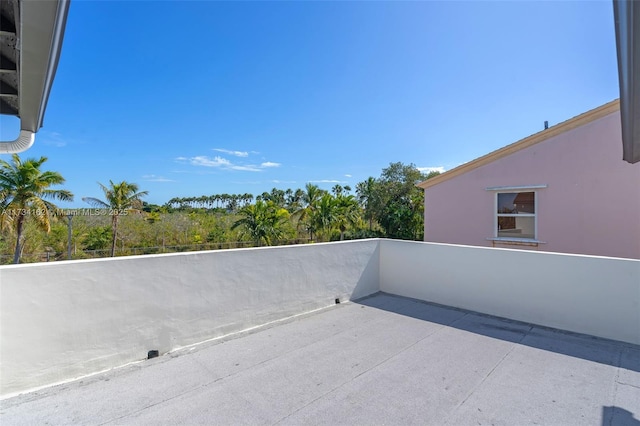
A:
(153, 354)
(337, 301)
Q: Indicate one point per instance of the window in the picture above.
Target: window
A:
(516, 215)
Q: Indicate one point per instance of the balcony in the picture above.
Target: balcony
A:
(424, 333)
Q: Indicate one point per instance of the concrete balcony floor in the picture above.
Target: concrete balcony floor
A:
(381, 360)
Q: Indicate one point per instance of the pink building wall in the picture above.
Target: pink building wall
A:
(591, 204)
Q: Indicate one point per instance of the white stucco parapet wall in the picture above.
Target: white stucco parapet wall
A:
(67, 319)
(584, 294)
(62, 320)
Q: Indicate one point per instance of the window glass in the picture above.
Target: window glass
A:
(516, 203)
(516, 215)
(516, 227)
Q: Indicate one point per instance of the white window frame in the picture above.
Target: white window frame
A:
(512, 190)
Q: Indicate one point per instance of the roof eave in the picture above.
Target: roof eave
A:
(626, 22)
(536, 138)
(41, 26)
(42, 32)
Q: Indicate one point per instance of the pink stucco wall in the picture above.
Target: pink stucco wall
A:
(590, 206)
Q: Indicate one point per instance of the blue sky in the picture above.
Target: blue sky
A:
(199, 98)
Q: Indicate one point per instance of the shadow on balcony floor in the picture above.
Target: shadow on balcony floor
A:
(618, 416)
(382, 360)
(590, 348)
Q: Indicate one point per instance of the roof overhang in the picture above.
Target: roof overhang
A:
(565, 126)
(627, 26)
(31, 34)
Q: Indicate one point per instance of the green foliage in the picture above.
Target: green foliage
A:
(395, 201)
(216, 234)
(305, 211)
(324, 216)
(389, 206)
(264, 222)
(98, 238)
(120, 199)
(348, 213)
(223, 202)
(153, 208)
(367, 197)
(152, 217)
(24, 191)
(56, 240)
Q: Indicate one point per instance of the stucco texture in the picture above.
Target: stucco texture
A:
(64, 319)
(590, 205)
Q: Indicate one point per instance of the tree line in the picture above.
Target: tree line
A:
(226, 201)
(121, 222)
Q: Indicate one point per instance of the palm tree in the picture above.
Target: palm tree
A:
(367, 197)
(247, 199)
(325, 216)
(120, 198)
(296, 200)
(348, 214)
(310, 198)
(263, 221)
(278, 197)
(24, 189)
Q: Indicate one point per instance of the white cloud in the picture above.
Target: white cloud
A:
(202, 160)
(222, 163)
(269, 164)
(347, 175)
(230, 152)
(247, 168)
(326, 181)
(155, 178)
(440, 169)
